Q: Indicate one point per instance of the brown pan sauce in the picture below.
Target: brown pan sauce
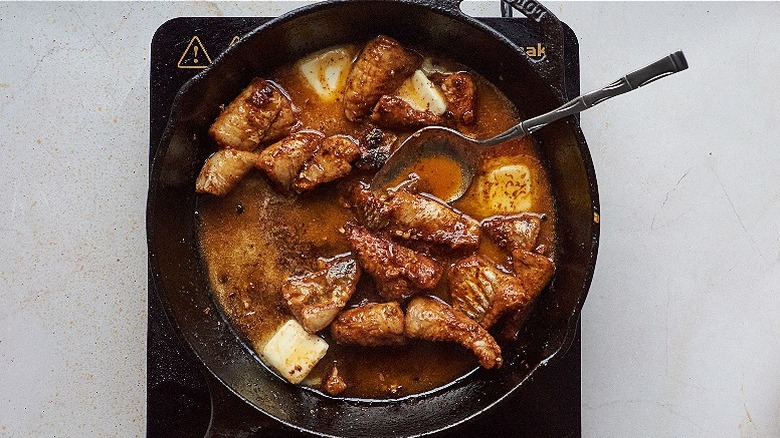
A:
(255, 238)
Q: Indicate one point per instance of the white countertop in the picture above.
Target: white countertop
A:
(681, 329)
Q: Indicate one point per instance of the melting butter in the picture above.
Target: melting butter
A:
(422, 94)
(507, 185)
(326, 71)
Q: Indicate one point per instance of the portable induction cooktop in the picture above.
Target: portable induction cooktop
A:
(181, 393)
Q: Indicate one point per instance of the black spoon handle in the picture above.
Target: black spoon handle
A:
(665, 66)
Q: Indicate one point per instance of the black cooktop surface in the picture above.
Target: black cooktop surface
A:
(182, 393)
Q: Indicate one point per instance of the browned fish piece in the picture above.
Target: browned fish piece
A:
(334, 384)
(285, 122)
(534, 271)
(375, 148)
(370, 208)
(515, 232)
(261, 114)
(434, 320)
(315, 298)
(460, 93)
(330, 162)
(370, 325)
(223, 170)
(381, 67)
(484, 293)
(415, 217)
(283, 160)
(392, 112)
(419, 217)
(398, 271)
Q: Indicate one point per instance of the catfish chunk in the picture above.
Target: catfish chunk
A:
(515, 232)
(416, 217)
(334, 384)
(460, 92)
(434, 320)
(484, 293)
(261, 114)
(370, 325)
(381, 67)
(370, 209)
(375, 146)
(315, 298)
(534, 271)
(419, 217)
(282, 161)
(223, 170)
(398, 272)
(331, 161)
(392, 112)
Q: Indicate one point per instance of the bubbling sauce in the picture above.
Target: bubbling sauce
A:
(254, 238)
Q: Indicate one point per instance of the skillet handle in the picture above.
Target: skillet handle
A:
(552, 35)
(552, 63)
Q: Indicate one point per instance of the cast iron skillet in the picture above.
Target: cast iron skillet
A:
(180, 279)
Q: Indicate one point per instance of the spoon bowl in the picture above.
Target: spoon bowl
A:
(444, 145)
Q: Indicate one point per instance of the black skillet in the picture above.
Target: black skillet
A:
(180, 279)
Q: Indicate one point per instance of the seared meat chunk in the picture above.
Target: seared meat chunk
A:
(434, 320)
(282, 161)
(331, 161)
(261, 114)
(419, 217)
(375, 148)
(306, 159)
(516, 232)
(398, 272)
(534, 271)
(334, 384)
(370, 325)
(223, 170)
(460, 92)
(315, 298)
(381, 67)
(370, 209)
(416, 217)
(392, 112)
(509, 329)
(286, 121)
(484, 293)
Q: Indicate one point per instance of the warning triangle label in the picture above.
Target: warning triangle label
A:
(195, 55)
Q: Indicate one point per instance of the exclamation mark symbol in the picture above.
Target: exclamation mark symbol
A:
(195, 55)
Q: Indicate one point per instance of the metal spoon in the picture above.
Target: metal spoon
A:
(464, 152)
